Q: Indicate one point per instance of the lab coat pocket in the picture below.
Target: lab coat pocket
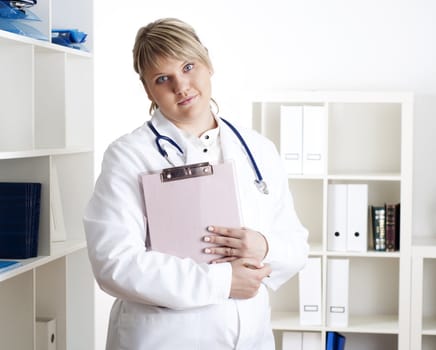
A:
(151, 327)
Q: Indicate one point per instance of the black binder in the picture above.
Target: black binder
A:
(19, 219)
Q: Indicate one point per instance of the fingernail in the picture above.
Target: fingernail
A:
(207, 250)
(210, 228)
(206, 239)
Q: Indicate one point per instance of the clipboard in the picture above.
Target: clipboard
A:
(181, 202)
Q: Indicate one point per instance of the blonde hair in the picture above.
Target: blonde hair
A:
(167, 38)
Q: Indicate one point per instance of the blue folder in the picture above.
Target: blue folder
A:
(335, 341)
(19, 219)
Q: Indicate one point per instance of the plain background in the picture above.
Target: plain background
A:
(383, 45)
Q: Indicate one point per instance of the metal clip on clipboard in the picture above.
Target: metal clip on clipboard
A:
(186, 171)
(181, 202)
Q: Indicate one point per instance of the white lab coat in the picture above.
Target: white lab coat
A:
(167, 303)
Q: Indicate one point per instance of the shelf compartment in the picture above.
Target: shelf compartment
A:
(428, 296)
(307, 195)
(32, 170)
(378, 286)
(17, 312)
(79, 273)
(428, 342)
(68, 14)
(266, 118)
(50, 295)
(79, 106)
(16, 96)
(286, 298)
(351, 125)
(49, 99)
(379, 193)
(429, 325)
(74, 190)
(365, 341)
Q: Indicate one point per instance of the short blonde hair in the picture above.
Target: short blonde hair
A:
(167, 38)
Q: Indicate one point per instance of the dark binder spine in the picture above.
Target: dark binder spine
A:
(390, 227)
(397, 226)
(378, 214)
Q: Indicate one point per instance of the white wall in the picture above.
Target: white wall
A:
(280, 44)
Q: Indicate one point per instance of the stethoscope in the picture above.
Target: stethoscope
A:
(259, 182)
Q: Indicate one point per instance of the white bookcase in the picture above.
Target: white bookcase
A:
(368, 140)
(46, 136)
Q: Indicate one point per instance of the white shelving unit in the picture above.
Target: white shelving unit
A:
(368, 140)
(46, 135)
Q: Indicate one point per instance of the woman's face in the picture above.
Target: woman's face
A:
(181, 89)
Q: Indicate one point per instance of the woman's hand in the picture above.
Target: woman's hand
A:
(247, 276)
(234, 243)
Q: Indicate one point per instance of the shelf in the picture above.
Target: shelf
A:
(368, 254)
(44, 152)
(332, 96)
(290, 321)
(59, 249)
(365, 177)
(424, 245)
(12, 38)
(348, 177)
(379, 324)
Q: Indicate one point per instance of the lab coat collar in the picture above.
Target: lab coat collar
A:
(190, 154)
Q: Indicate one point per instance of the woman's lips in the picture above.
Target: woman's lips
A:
(186, 101)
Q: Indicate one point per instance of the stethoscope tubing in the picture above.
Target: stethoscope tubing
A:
(260, 183)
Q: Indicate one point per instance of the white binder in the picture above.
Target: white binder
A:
(291, 138)
(337, 292)
(292, 341)
(357, 217)
(310, 292)
(45, 333)
(181, 202)
(301, 340)
(337, 217)
(312, 341)
(314, 131)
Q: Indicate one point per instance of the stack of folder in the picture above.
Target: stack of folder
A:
(15, 17)
(19, 219)
(72, 38)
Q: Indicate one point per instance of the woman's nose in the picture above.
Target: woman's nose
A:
(181, 84)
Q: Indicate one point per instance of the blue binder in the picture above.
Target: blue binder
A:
(19, 219)
(335, 341)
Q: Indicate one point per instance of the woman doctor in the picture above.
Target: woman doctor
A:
(162, 301)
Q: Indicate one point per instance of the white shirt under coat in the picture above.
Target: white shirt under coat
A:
(164, 302)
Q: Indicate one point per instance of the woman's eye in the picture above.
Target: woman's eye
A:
(161, 79)
(188, 67)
